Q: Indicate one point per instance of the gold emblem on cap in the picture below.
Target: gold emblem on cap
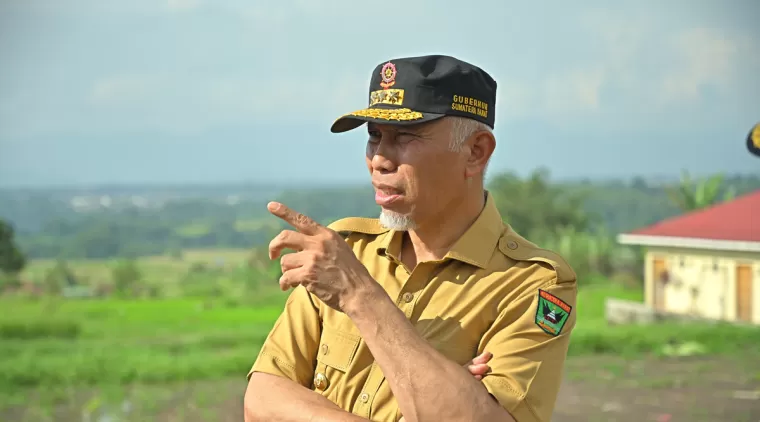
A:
(386, 96)
(388, 75)
(755, 135)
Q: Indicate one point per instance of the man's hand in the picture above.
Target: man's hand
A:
(323, 262)
(478, 367)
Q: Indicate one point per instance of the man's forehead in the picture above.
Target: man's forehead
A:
(419, 127)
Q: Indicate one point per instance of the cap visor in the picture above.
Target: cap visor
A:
(753, 149)
(388, 116)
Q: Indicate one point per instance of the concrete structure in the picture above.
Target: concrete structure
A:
(705, 263)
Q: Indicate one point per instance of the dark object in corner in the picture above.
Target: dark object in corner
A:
(753, 140)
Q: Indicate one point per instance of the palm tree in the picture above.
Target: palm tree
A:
(692, 195)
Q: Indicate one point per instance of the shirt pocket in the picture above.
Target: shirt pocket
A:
(335, 355)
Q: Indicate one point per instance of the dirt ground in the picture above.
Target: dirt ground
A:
(595, 389)
(683, 389)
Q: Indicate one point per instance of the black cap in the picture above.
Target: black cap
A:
(753, 140)
(415, 90)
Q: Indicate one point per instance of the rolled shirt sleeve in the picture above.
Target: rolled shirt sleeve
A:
(529, 342)
(290, 350)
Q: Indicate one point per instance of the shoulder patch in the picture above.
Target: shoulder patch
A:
(518, 248)
(348, 225)
(551, 313)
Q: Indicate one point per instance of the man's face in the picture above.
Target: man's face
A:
(415, 173)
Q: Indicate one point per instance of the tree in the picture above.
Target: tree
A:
(534, 207)
(175, 253)
(126, 275)
(690, 195)
(58, 277)
(12, 261)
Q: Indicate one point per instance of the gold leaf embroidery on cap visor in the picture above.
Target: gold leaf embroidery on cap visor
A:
(400, 114)
(387, 96)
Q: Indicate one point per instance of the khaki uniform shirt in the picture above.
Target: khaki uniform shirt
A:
(494, 291)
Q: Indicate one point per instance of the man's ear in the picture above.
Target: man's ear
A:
(481, 146)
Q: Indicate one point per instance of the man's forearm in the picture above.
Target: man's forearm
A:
(270, 397)
(427, 385)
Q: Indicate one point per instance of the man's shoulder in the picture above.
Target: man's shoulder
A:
(349, 225)
(517, 248)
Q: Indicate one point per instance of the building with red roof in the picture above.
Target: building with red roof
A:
(705, 263)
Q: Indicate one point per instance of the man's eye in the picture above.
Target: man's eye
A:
(405, 136)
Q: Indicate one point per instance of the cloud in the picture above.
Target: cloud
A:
(703, 57)
(188, 103)
(663, 65)
(574, 91)
(562, 94)
(632, 64)
(245, 61)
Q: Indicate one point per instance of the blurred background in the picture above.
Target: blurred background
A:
(141, 140)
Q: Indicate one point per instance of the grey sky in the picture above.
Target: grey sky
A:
(108, 91)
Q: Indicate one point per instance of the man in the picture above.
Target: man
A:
(385, 312)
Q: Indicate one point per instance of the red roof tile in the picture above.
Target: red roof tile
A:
(736, 220)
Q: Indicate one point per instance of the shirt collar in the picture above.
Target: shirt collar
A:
(474, 247)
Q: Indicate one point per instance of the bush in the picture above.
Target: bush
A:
(595, 254)
(125, 276)
(9, 282)
(29, 330)
(58, 277)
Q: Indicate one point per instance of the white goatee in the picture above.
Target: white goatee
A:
(395, 221)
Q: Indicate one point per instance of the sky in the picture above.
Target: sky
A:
(199, 91)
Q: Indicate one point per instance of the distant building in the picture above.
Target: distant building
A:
(705, 263)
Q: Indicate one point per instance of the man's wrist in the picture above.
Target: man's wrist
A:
(362, 301)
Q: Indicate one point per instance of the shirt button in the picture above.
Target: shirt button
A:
(408, 297)
(320, 381)
(325, 349)
(512, 244)
(364, 397)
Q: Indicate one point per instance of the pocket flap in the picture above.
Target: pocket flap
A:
(337, 348)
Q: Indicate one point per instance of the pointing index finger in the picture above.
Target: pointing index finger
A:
(301, 222)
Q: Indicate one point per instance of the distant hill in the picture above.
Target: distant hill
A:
(108, 221)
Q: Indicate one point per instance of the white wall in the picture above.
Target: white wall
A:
(710, 274)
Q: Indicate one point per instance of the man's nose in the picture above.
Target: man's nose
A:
(383, 155)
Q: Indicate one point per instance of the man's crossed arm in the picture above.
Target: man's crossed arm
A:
(271, 397)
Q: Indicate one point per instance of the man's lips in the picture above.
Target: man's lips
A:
(386, 195)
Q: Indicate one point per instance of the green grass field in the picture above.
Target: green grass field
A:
(49, 343)
(93, 351)
(50, 346)
(593, 336)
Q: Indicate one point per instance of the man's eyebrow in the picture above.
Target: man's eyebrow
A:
(417, 130)
(420, 130)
